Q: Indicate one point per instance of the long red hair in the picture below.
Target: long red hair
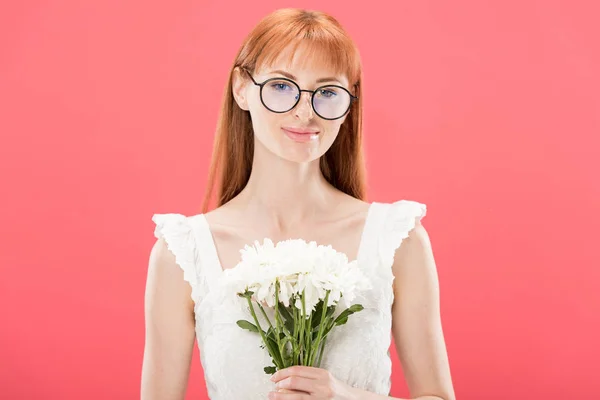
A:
(343, 164)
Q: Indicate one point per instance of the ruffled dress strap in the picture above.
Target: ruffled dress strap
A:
(179, 233)
(390, 224)
(399, 219)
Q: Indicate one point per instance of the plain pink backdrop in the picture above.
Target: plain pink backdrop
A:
(488, 112)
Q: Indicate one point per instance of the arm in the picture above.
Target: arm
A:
(416, 322)
(169, 322)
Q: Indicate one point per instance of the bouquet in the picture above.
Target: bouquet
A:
(302, 283)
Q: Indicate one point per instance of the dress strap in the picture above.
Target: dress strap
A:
(370, 237)
(207, 252)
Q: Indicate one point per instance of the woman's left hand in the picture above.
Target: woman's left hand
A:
(310, 383)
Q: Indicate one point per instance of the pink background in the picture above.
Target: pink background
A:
(488, 112)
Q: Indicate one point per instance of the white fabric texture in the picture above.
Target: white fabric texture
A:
(356, 353)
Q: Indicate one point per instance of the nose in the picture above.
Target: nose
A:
(303, 109)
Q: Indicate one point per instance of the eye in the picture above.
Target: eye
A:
(280, 86)
(327, 93)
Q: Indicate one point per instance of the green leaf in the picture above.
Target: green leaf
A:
(343, 317)
(288, 319)
(330, 310)
(329, 325)
(274, 351)
(270, 370)
(356, 308)
(316, 316)
(289, 326)
(271, 333)
(287, 357)
(273, 347)
(315, 334)
(285, 313)
(247, 325)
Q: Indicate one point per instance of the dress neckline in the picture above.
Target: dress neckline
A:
(213, 255)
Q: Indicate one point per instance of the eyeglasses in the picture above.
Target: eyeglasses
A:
(281, 95)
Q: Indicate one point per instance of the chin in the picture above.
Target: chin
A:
(302, 152)
(293, 151)
(299, 157)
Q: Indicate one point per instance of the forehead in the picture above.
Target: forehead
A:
(307, 63)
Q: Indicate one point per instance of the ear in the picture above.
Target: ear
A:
(238, 86)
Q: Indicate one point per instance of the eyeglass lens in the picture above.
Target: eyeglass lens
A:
(329, 101)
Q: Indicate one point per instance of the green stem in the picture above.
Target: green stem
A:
(262, 334)
(321, 328)
(278, 321)
(309, 337)
(302, 331)
(296, 331)
(321, 352)
(265, 314)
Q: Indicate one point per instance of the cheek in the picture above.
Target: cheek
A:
(266, 123)
(332, 130)
(262, 119)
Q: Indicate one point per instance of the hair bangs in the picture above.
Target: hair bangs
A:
(320, 40)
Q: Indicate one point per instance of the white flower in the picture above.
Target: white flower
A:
(300, 268)
(305, 274)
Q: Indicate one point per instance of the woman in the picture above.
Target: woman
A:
(289, 163)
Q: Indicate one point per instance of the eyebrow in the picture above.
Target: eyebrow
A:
(292, 77)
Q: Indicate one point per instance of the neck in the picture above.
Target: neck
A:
(282, 193)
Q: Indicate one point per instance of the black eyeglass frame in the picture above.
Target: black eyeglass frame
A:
(312, 96)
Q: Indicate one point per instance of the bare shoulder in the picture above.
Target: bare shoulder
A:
(162, 260)
(160, 255)
(418, 240)
(351, 206)
(165, 275)
(414, 262)
(225, 222)
(224, 215)
(415, 252)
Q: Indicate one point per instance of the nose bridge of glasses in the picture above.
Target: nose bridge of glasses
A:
(307, 104)
(308, 96)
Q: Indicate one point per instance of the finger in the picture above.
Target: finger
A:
(290, 391)
(288, 395)
(298, 383)
(298, 370)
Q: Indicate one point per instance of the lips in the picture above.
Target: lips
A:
(301, 135)
(301, 131)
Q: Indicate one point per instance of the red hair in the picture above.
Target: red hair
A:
(343, 164)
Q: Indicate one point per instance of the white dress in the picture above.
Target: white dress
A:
(356, 353)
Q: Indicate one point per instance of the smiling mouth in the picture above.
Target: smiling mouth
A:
(301, 131)
(301, 135)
